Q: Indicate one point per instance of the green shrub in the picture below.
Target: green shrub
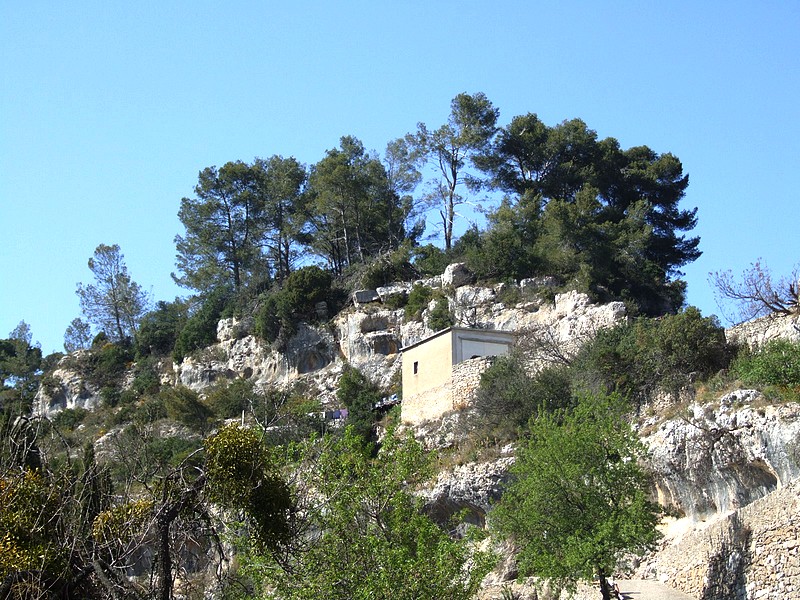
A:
(359, 395)
(776, 363)
(280, 311)
(200, 330)
(70, 418)
(430, 260)
(228, 400)
(440, 316)
(159, 329)
(647, 354)
(389, 267)
(184, 405)
(508, 397)
(306, 287)
(418, 299)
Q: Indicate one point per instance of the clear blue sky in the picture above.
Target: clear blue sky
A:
(108, 111)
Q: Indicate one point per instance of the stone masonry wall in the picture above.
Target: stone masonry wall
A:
(753, 553)
(467, 378)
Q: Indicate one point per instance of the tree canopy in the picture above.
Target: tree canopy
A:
(579, 497)
(559, 201)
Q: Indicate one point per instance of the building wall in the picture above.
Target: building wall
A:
(440, 374)
(469, 343)
(427, 392)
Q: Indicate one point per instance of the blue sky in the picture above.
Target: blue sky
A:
(108, 111)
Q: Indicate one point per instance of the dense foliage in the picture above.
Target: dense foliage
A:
(634, 359)
(775, 365)
(579, 498)
(367, 534)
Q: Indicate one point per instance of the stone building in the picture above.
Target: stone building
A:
(441, 372)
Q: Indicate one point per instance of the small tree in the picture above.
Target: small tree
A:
(114, 303)
(78, 335)
(366, 533)
(757, 294)
(579, 498)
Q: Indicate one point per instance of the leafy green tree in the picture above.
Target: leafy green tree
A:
(508, 397)
(645, 355)
(20, 370)
(114, 303)
(200, 329)
(579, 497)
(224, 225)
(359, 395)
(469, 129)
(159, 329)
(610, 218)
(367, 534)
(530, 160)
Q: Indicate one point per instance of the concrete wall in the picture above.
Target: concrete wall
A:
(427, 365)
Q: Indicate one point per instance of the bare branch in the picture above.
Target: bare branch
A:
(757, 294)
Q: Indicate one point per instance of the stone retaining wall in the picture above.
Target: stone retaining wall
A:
(752, 553)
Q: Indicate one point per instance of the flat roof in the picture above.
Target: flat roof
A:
(501, 332)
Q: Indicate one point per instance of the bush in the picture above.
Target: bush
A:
(440, 316)
(508, 397)
(418, 299)
(639, 357)
(70, 418)
(430, 260)
(389, 267)
(776, 363)
(229, 400)
(280, 311)
(184, 405)
(159, 329)
(359, 395)
(200, 330)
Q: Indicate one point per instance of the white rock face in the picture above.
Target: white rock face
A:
(724, 456)
(760, 331)
(472, 487)
(371, 342)
(456, 275)
(240, 354)
(68, 389)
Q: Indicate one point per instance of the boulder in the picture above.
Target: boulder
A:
(456, 275)
(365, 297)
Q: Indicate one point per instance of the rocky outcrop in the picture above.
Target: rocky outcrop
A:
(724, 455)
(66, 387)
(240, 354)
(469, 489)
(758, 332)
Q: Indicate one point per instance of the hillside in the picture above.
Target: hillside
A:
(713, 448)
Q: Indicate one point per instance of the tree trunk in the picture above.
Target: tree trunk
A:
(605, 589)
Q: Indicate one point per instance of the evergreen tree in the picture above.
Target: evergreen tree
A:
(114, 303)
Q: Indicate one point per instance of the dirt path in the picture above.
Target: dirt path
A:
(642, 589)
